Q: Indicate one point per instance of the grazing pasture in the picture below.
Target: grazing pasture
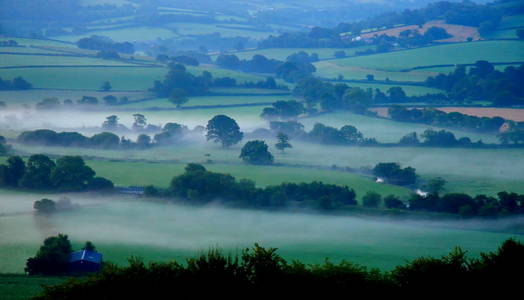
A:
(123, 227)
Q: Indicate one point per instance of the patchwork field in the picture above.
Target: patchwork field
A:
(390, 65)
(458, 33)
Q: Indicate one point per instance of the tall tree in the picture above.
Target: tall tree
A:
(283, 142)
(178, 97)
(223, 129)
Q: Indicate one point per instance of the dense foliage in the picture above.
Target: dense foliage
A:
(256, 153)
(394, 174)
(18, 83)
(52, 258)
(68, 173)
(467, 206)
(223, 129)
(103, 43)
(261, 270)
(198, 185)
(483, 82)
(179, 78)
(296, 67)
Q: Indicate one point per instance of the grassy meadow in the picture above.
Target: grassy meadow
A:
(121, 227)
(390, 65)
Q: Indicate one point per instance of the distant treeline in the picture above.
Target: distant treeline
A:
(296, 67)
(485, 17)
(18, 83)
(261, 270)
(349, 135)
(340, 96)
(102, 43)
(66, 174)
(169, 134)
(178, 78)
(513, 134)
(483, 82)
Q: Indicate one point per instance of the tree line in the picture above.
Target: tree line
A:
(199, 186)
(514, 133)
(260, 270)
(66, 174)
(341, 96)
(18, 83)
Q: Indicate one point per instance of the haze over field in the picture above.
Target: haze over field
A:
(370, 131)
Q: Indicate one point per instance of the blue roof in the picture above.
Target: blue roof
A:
(85, 255)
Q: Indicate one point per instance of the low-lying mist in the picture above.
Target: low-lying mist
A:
(122, 227)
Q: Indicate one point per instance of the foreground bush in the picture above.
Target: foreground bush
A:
(262, 270)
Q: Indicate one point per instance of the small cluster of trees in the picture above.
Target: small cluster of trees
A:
(67, 173)
(54, 103)
(483, 82)
(393, 173)
(260, 269)
(283, 110)
(103, 43)
(440, 118)
(18, 83)
(179, 83)
(52, 258)
(296, 67)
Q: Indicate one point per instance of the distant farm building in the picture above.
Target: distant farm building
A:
(85, 261)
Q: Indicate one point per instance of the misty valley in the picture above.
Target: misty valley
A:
(148, 146)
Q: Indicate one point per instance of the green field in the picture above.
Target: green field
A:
(15, 99)
(132, 34)
(126, 79)
(42, 60)
(511, 21)
(29, 50)
(389, 65)
(38, 42)
(122, 227)
(133, 78)
(22, 287)
(187, 29)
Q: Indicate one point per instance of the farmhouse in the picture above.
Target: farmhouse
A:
(85, 261)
